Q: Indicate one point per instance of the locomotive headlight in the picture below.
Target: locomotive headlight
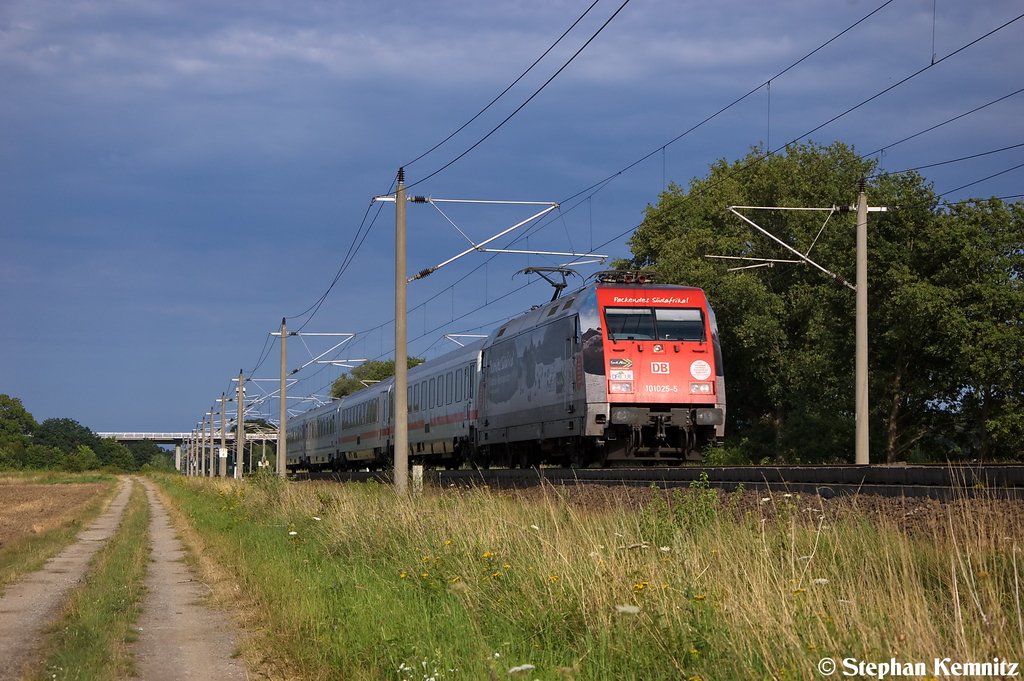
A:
(620, 387)
(700, 388)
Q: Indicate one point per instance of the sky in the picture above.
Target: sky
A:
(177, 176)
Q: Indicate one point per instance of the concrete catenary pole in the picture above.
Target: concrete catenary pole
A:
(212, 470)
(861, 364)
(240, 425)
(222, 470)
(401, 415)
(282, 439)
(202, 448)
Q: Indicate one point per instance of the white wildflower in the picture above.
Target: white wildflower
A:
(521, 668)
(666, 549)
(293, 533)
(821, 581)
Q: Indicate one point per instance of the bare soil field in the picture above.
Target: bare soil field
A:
(32, 509)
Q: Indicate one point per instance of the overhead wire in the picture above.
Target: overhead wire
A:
(953, 160)
(528, 100)
(357, 241)
(971, 184)
(601, 184)
(511, 85)
(939, 125)
(754, 162)
(736, 101)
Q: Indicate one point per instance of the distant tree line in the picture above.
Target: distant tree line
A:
(946, 308)
(65, 444)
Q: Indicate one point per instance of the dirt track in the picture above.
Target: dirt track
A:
(179, 638)
(35, 600)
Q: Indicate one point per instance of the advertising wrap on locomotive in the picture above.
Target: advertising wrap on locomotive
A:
(623, 369)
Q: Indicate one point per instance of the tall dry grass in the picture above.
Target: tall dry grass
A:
(354, 581)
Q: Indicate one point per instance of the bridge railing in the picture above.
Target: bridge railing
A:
(182, 437)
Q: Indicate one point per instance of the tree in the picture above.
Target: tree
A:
(143, 452)
(66, 435)
(787, 331)
(113, 453)
(82, 459)
(14, 418)
(981, 256)
(372, 371)
(935, 301)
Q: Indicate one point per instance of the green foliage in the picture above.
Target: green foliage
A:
(945, 307)
(16, 426)
(143, 451)
(113, 453)
(65, 434)
(358, 583)
(730, 454)
(162, 462)
(82, 459)
(371, 372)
(699, 507)
(14, 418)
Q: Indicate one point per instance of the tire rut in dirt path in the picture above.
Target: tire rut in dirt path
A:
(36, 599)
(180, 638)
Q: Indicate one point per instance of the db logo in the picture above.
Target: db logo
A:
(659, 367)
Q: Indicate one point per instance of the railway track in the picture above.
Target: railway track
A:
(936, 482)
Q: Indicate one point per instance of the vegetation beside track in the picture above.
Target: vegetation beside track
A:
(349, 581)
(88, 641)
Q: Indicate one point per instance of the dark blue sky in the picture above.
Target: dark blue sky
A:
(179, 176)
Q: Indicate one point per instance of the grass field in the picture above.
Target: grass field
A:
(352, 582)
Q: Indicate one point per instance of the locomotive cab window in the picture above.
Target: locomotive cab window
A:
(663, 323)
(680, 324)
(630, 323)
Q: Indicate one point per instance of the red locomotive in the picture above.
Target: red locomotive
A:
(621, 370)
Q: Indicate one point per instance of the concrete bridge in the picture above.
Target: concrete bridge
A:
(182, 438)
(200, 450)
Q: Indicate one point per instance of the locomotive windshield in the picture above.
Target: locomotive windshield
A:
(661, 323)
